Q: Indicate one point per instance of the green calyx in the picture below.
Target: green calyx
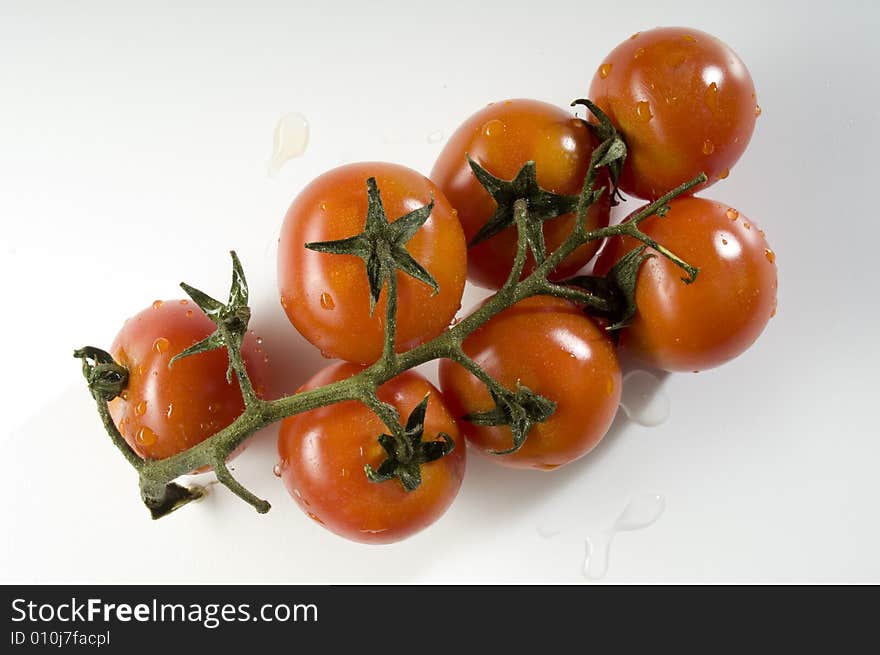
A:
(106, 378)
(382, 244)
(617, 288)
(231, 318)
(611, 152)
(542, 205)
(406, 451)
(520, 410)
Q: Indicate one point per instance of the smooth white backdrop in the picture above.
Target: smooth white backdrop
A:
(133, 146)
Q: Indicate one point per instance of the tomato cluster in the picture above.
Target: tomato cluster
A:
(373, 259)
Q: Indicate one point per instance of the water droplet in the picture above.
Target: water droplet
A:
(493, 128)
(146, 437)
(770, 255)
(690, 38)
(276, 470)
(323, 206)
(773, 311)
(157, 304)
(723, 174)
(258, 349)
(732, 214)
(160, 345)
(547, 531)
(641, 512)
(141, 408)
(643, 111)
(708, 147)
(604, 70)
(314, 517)
(757, 110)
(214, 407)
(189, 313)
(747, 225)
(259, 340)
(711, 97)
(634, 36)
(184, 302)
(723, 242)
(266, 358)
(170, 410)
(642, 399)
(638, 53)
(435, 137)
(284, 302)
(327, 301)
(290, 141)
(124, 394)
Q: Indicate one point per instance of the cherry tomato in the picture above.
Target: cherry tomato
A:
(164, 411)
(323, 453)
(549, 346)
(691, 327)
(683, 101)
(501, 138)
(326, 296)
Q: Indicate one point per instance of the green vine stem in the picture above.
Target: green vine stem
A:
(382, 241)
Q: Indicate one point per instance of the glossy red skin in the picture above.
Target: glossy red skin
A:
(323, 453)
(554, 350)
(501, 138)
(681, 327)
(164, 411)
(326, 296)
(687, 126)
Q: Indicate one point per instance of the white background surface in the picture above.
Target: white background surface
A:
(133, 147)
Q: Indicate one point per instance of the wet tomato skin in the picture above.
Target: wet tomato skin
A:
(164, 411)
(549, 346)
(697, 326)
(501, 138)
(326, 296)
(323, 453)
(684, 102)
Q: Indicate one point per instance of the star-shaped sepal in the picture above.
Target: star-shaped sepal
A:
(543, 205)
(233, 316)
(382, 244)
(616, 289)
(407, 451)
(520, 410)
(612, 148)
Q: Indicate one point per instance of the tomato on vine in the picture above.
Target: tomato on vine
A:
(324, 453)
(502, 138)
(164, 409)
(696, 326)
(328, 294)
(684, 103)
(569, 368)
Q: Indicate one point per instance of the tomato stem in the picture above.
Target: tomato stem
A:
(384, 240)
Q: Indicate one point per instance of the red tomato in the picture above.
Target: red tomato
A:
(549, 346)
(501, 138)
(326, 296)
(164, 411)
(691, 327)
(683, 101)
(324, 451)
